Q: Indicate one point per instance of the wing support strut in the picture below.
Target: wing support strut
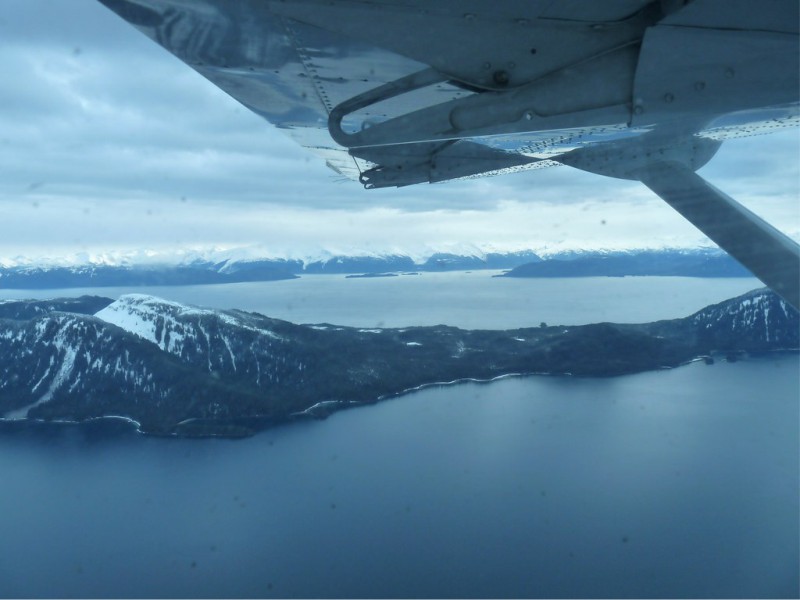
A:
(769, 254)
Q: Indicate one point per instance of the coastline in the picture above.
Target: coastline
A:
(245, 427)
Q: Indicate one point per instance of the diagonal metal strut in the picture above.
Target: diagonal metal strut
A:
(769, 254)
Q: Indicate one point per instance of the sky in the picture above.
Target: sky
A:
(109, 146)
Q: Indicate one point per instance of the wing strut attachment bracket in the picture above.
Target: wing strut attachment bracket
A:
(593, 93)
(401, 86)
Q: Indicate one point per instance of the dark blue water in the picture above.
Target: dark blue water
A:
(671, 483)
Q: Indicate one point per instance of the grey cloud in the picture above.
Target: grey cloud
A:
(80, 25)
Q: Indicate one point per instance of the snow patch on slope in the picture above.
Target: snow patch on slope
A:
(165, 323)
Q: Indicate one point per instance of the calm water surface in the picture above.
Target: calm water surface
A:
(472, 300)
(673, 483)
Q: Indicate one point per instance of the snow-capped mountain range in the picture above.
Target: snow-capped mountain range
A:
(418, 255)
(242, 266)
(182, 370)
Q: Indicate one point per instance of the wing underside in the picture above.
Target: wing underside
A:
(400, 92)
(569, 67)
(294, 62)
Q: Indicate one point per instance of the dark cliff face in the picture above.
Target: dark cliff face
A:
(176, 368)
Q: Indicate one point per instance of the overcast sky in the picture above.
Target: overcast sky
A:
(109, 144)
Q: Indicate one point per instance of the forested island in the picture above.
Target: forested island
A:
(181, 370)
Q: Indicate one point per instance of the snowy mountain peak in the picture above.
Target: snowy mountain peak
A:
(147, 316)
(146, 304)
(174, 327)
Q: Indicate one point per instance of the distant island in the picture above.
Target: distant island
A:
(370, 275)
(687, 263)
(181, 370)
(632, 264)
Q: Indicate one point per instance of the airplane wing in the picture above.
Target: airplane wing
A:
(400, 92)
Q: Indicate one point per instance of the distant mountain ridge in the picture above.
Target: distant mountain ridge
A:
(644, 263)
(182, 370)
(526, 263)
(200, 272)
